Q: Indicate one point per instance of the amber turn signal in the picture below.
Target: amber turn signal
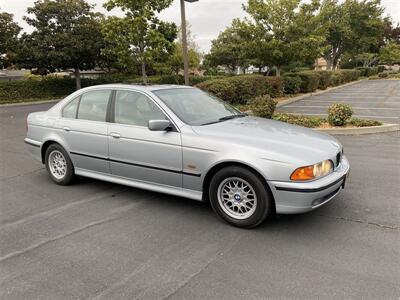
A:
(312, 172)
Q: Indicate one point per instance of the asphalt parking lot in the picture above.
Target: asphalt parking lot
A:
(105, 241)
(370, 99)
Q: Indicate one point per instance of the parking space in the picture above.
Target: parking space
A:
(96, 240)
(370, 99)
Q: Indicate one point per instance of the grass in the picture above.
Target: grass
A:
(319, 122)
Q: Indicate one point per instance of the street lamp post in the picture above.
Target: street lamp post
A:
(184, 41)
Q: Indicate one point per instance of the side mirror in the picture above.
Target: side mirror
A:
(160, 125)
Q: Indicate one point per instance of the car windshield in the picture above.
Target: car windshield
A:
(195, 107)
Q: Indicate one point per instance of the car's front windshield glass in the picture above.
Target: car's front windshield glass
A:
(195, 107)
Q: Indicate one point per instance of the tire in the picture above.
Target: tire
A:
(240, 197)
(59, 165)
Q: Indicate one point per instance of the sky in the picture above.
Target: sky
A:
(207, 17)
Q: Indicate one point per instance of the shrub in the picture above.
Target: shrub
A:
(243, 88)
(383, 75)
(291, 84)
(221, 88)
(381, 69)
(263, 106)
(364, 123)
(368, 71)
(305, 121)
(52, 87)
(348, 75)
(309, 81)
(339, 114)
(324, 79)
(336, 79)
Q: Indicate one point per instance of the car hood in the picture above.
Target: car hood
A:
(274, 139)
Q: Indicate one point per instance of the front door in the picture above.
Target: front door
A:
(135, 151)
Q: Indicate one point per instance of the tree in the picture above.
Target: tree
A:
(367, 59)
(140, 37)
(390, 54)
(230, 48)
(67, 36)
(175, 61)
(288, 31)
(9, 31)
(353, 27)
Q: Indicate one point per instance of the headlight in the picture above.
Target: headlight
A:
(312, 172)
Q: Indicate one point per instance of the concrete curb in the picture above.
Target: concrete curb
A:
(29, 103)
(361, 130)
(298, 98)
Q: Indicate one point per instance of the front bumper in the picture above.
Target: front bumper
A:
(299, 197)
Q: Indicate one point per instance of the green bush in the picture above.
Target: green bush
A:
(310, 81)
(52, 87)
(348, 75)
(243, 88)
(339, 114)
(364, 123)
(221, 88)
(305, 121)
(336, 79)
(324, 79)
(381, 69)
(291, 84)
(383, 75)
(369, 71)
(263, 106)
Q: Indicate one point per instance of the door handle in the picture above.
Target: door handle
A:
(115, 135)
(67, 128)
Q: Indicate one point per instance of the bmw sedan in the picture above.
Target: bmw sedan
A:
(185, 142)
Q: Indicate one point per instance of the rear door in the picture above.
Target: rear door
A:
(137, 152)
(85, 129)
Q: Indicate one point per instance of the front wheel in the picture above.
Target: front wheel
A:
(58, 164)
(240, 197)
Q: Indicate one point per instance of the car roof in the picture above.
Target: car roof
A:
(141, 87)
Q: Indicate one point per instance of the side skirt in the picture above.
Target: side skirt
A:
(195, 195)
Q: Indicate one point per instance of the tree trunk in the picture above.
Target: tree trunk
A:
(77, 78)
(144, 76)
(328, 63)
(278, 71)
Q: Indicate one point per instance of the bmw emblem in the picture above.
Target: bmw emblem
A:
(237, 197)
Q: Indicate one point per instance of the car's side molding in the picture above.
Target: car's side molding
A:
(137, 165)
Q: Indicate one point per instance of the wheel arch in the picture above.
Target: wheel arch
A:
(215, 168)
(46, 145)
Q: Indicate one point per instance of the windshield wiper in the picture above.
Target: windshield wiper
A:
(226, 118)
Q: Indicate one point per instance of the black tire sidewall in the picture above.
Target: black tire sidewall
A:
(69, 176)
(264, 203)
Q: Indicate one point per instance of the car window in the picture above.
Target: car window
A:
(93, 105)
(69, 110)
(134, 108)
(195, 107)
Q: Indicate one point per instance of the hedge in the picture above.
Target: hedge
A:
(369, 71)
(46, 88)
(241, 89)
(313, 80)
(51, 87)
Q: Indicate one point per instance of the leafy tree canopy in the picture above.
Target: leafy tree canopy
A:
(67, 36)
(9, 31)
(139, 38)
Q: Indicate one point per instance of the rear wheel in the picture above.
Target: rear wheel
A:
(240, 197)
(59, 165)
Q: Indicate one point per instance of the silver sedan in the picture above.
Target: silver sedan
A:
(185, 142)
